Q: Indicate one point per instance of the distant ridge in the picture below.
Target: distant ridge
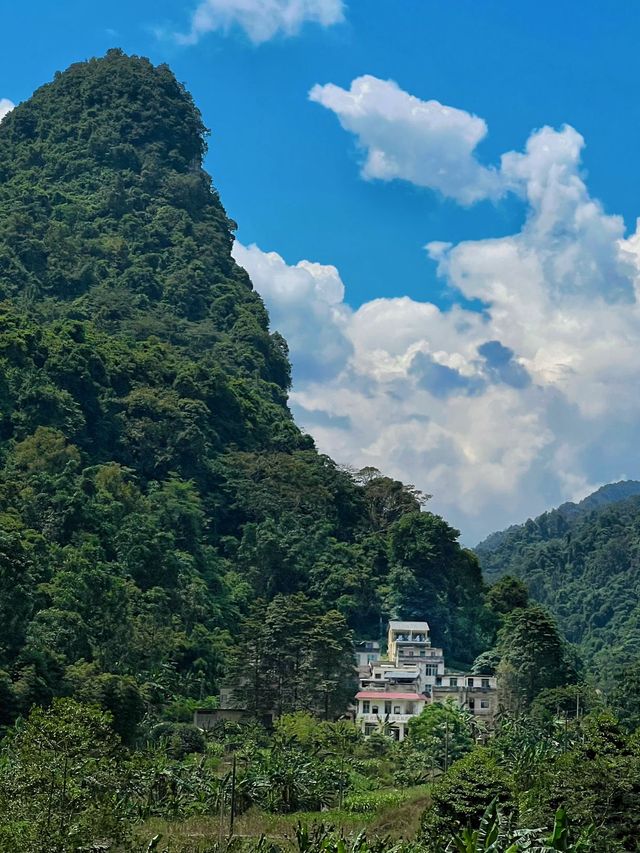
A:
(604, 496)
(582, 562)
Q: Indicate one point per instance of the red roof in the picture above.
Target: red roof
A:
(370, 694)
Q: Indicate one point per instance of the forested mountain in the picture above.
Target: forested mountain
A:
(159, 508)
(583, 564)
(551, 522)
(165, 526)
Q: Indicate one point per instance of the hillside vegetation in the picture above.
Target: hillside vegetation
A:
(583, 564)
(155, 493)
(165, 526)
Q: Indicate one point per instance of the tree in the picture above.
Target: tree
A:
(331, 673)
(625, 696)
(118, 695)
(533, 657)
(507, 594)
(59, 775)
(292, 657)
(388, 500)
(444, 731)
(597, 780)
(460, 798)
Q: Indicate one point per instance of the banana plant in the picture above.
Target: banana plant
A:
(496, 835)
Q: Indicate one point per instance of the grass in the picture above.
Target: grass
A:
(399, 819)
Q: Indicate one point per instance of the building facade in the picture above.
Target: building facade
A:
(367, 652)
(397, 687)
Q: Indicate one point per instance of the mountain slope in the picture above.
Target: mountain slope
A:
(153, 484)
(551, 522)
(583, 564)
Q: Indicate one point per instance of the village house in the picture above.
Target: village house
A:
(394, 689)
(367, 651)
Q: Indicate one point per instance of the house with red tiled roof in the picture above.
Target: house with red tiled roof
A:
(397, 688)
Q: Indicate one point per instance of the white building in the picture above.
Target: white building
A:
(367, 651)
(394, 689)
(388, 711)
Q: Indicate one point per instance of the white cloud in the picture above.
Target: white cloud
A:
(425, 142)
(306, 304)
(5, 107)
(499, 413)
(261, 20)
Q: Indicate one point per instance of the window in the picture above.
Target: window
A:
(469, 682)
(396, 709)
(366, 706)
(374, 709)
(453, 682)
(439, 680)
(387, 707)
(409, 707)
(484, 703)
(472, 704)
(430, 669)
(378, 675)
(422, 653)
(485, 682)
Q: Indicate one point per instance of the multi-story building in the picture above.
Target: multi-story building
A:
(367, 651)
(388, 710)
(396, 688)
(477, 693)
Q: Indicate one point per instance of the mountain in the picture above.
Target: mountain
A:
(582, 562)
(605, 495)
(155, 492)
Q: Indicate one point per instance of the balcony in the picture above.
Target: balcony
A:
(382, 719)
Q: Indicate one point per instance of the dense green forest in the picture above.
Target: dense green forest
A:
(155, 492)
(584, 567)
(166, 528)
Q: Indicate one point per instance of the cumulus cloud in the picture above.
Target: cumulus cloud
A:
(425, 142)
(261, 20)
(5, 107)
(499, 413)
(306, 304)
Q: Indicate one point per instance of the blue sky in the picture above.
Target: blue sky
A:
(434, 408)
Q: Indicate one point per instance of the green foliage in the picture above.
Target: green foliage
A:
(292, 657)
(444, 731)
(496, 834)
(373, 801)
(58, 776)
(459, 799)
(153, 484)
(285, 779)
(180, 739)
(533, 657)
(596, 777)
(507, 594)
(581, 563)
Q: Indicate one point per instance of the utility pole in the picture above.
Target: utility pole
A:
(233, 796)
(446, 744)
